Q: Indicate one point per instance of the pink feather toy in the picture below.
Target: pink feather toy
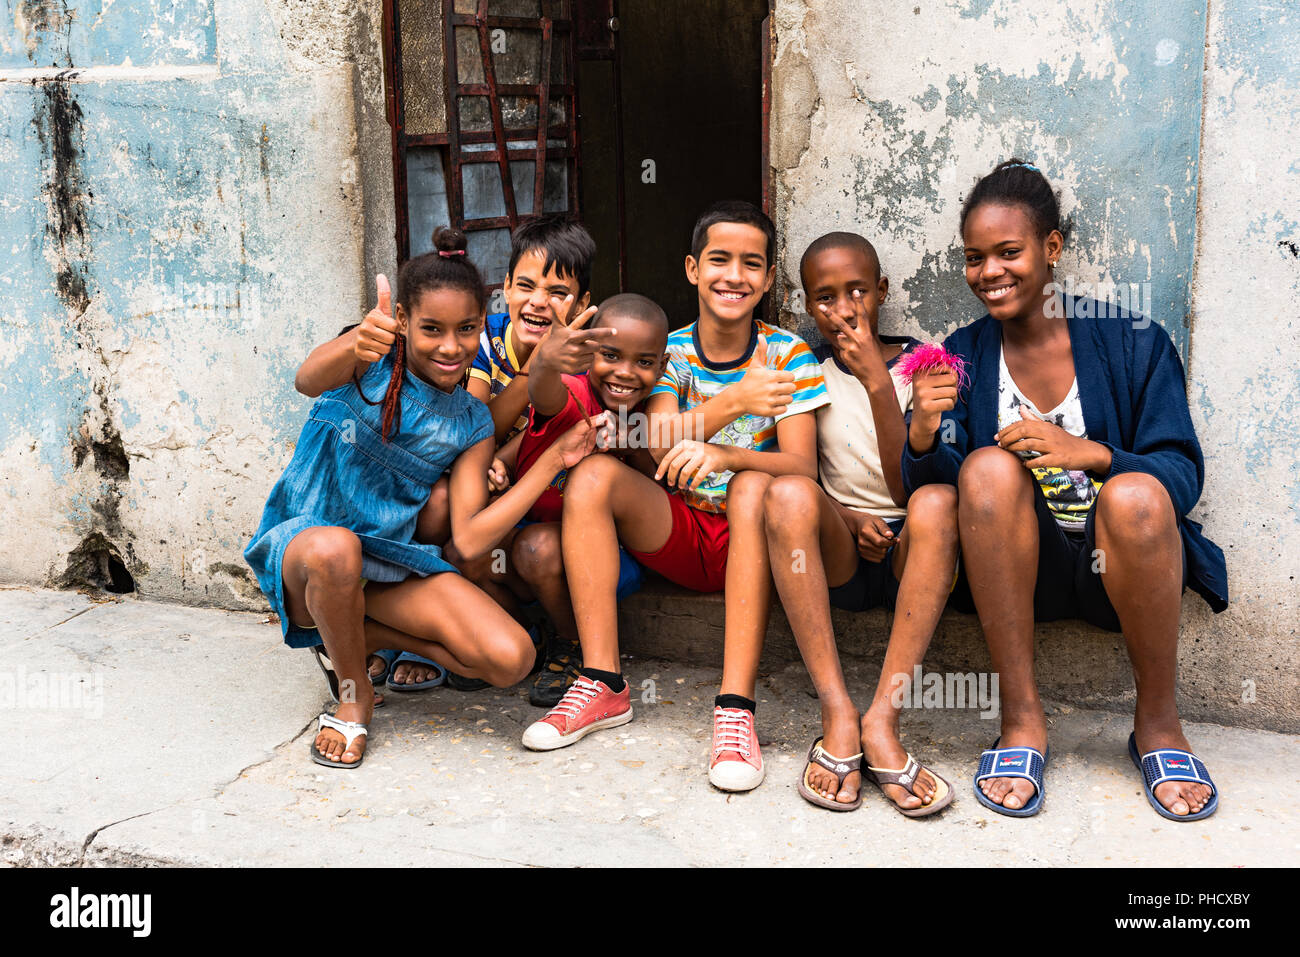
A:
(930, 356)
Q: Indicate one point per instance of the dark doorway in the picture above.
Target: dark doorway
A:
(671, 118)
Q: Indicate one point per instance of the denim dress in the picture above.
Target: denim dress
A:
(343, 474)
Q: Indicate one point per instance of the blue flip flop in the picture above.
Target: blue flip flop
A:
(1027, 763)
(1172, 764)
(433, 682)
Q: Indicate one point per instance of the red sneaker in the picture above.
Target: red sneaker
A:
(737, 764)
(586, 707)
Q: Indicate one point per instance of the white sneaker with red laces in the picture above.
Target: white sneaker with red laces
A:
(737, 764)
(586, 707)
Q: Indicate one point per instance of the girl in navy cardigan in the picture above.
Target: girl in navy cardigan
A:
(1076, 464)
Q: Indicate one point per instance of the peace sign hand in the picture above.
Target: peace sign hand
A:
(857, 345)
(569, 349)
(378, 330)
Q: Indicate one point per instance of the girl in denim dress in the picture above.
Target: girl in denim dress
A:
(335, 552)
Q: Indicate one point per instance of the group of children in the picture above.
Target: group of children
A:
(459, 467)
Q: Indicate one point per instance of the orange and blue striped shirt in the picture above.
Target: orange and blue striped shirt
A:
(693, 379)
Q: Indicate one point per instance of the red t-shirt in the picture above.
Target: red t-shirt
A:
(539, 435)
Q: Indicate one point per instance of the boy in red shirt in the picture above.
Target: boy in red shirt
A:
(622, 356)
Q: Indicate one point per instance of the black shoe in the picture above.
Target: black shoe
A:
(559, 669)
(461, 683)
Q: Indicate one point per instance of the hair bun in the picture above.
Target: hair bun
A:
(447, 239)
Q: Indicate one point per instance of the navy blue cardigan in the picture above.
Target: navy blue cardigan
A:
(1134, 398)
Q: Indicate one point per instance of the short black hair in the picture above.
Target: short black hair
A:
(840, 240)
(1017, 183)
(565, 242)
(733, 211)
(630, 305)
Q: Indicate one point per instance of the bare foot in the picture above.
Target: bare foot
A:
(882, 749)
(412, 673)
(840, 738)
(1027, 732)
(330, 744)
(1178, 797)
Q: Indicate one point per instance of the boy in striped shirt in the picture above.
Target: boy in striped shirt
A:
(733, 408)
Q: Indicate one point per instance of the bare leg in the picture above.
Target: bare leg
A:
(448, 620)
(322, 588)
(538, 560)
(1138, 539)
(925, 560)
(606, 502)
(748, 594)
(808, 546)
(999, 544)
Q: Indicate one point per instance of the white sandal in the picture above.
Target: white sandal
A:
(351, 730)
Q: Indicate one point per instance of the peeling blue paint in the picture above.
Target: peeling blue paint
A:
(65, 33)
(1131, 147)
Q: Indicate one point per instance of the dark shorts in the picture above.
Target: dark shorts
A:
(1068, 586)
(873, 584)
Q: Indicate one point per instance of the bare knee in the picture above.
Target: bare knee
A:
(332, 555)
(538, 554)
(746, 490)
(589, 483)
(508, 658)
(791, 504)
(992, 480)
(433, 526)
(932, 512)
(1134, 507)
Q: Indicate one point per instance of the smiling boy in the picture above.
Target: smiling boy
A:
(621, 353)
(550, 262)
(733, 408)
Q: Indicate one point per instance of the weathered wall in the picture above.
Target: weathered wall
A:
(884, 116)
(181, 194)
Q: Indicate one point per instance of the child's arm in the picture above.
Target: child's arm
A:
(335, 363)
(690, 463)
(509, 404)
(761, 391)
(476, 526)
(859, 350)
(566, 350)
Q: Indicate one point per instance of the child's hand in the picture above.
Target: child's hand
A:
(570, 348)
(578, 442)
(378, 330)
(764, 391)
(874, 538)
(689, 464)
(933, 393)
(1048, 445)
(857, 345)
(498, 476)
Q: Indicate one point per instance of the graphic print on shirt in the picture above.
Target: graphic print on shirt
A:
(1070, 493)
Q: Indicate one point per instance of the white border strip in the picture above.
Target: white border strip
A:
(99, 74)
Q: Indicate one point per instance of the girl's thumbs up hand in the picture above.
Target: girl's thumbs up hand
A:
(378, 330)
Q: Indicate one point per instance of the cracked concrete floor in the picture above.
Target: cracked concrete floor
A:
(186, 742)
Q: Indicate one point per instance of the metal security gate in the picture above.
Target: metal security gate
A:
(503, 142)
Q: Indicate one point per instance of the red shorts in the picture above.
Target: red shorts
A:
(695, 555)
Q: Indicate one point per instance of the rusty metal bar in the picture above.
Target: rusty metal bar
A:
(509, 89)
(516, 23)
(543, 115)
(523, 153)
(451, 79)
(441, 139)
(494, 107)
(396, 116)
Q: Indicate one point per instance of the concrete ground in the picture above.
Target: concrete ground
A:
(144, 733)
